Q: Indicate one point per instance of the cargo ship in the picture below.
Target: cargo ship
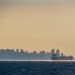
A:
(57, 55)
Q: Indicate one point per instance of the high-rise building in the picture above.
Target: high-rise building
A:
(21, 50)
(57, 52)
(52, 51)
(17, 50)
(62, 54)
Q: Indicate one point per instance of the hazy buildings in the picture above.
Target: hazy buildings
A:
(20, 54)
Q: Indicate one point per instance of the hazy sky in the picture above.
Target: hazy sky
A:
(38, 27)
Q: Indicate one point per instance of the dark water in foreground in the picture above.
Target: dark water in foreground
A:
(37, 68)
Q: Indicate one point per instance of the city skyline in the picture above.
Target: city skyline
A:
(38, 27)
(20, 54)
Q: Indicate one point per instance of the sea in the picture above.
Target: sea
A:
(37, 68)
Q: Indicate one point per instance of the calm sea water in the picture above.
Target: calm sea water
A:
(37, 68)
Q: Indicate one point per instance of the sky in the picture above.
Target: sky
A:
(38, 25)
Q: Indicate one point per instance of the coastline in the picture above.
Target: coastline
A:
(8, 60)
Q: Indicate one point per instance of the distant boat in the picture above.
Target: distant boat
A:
(62, 58)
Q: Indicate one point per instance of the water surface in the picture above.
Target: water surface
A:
(37, 68)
